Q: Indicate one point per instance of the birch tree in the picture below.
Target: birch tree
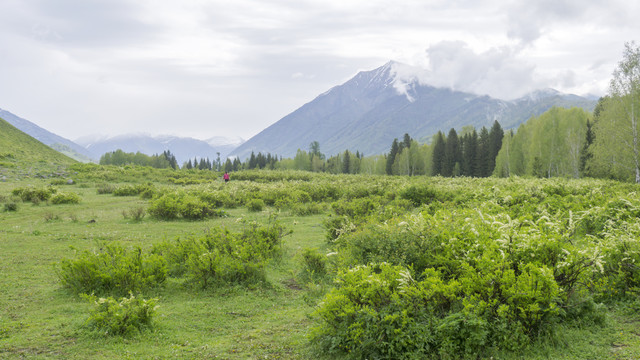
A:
(617, 143)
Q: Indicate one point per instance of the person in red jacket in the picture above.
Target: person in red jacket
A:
(226, 177)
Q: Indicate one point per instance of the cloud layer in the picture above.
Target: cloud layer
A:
(209, 68)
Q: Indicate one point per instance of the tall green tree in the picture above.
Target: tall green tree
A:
(438, 154)
(482, 166)
(496, 134)
(617, 131)
(469, 151)
(346, 162)
(391, 158)
(302, 161)
(451, 154)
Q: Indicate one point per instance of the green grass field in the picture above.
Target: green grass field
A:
(40, 319)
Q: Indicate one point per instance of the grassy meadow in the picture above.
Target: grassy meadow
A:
(277, 313)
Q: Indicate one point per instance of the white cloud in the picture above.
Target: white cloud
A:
(498, 72)
(234, 67)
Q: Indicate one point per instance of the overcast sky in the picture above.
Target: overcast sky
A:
(205, 68)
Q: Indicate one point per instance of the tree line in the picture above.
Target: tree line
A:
(160, 161)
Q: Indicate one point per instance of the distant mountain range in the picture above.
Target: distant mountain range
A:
(367, 112)
(91, 148)
(183, 148)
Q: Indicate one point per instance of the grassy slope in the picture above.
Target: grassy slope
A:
(21, 152)
(40, 320)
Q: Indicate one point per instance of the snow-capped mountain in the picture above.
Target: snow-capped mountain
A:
(367, 112)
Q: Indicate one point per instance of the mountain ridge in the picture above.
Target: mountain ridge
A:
(368, 111)
(46, 137)
(183, 148)
(22, 153)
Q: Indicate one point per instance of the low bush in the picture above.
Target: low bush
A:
(223, 257)
(382, 311)
(420, 194)
(307, 209)
(65, 198)
(134, 190)
(105, 189)
(137, 213)
(314, 265)
(123, 316)
(112, 270)
(35, 195)
(255, 205)
(11, 206)
(182, 205)
(358, 208)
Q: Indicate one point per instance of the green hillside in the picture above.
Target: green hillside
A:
(21, 153)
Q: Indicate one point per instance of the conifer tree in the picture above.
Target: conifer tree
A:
(482, 155)
(469, 151)
(496, 134)
(451, 154)
(438, 155)
(585, 153)
(406, 141)
(253, 162)
(392, 156)
(237, 164)
(261, 161)
(346, 162)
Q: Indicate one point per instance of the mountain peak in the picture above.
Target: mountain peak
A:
(368, 111)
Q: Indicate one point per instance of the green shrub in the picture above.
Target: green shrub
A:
(165, 207)
(35, 195)
(112, 270)
(255, 205)
(179, 204)
(307, 209)
(65, 198)
(336, 226)
(11, 206)
(223, 257)
(126, 190)
(314, 264)
(419, 194)
(105, 189)
(357, 208)
(137, 213)
(123, 316)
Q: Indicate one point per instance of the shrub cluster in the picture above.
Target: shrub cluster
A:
(136, 213)
(255, 205)
(487, 269)
(65, 198)
(124, 316)
(113, 269)
(33, 194)
(181, 204)
(222, 257)
(146, 191)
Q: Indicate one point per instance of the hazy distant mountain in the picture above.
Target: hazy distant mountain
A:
(54, 141)
(367, 112)
(183, 148)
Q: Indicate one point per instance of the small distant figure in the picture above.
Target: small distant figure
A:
(226, 177)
